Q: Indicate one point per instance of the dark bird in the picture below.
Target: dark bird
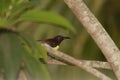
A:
(54, 42)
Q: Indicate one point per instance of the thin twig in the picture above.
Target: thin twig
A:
(75, 62)
(98, 33)
(95, 64)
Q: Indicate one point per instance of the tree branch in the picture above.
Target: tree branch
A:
(95, 64)
(98, 33)
(75, 62)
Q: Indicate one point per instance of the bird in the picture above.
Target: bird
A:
(54, 43)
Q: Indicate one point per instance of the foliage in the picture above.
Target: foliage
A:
(18, 50)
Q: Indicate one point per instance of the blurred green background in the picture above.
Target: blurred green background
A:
(81, 45)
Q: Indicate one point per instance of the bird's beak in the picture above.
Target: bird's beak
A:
(66, 37)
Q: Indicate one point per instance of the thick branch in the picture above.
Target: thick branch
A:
(75, 62)
(98, 33)
(95, 64)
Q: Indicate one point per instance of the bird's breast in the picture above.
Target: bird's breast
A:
(57, 47)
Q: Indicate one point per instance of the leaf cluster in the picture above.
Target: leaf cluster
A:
(18, 50)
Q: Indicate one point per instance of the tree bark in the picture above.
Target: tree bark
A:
(97, 32)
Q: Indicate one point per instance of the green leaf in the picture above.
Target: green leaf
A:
(37, 2)
(48, 17)
(14, 14)
(37, 50)
(4, 5)
(11, 55)
(18, 9)
(34, 69)
(3, 22)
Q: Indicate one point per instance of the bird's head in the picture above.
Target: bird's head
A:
(60, 38)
